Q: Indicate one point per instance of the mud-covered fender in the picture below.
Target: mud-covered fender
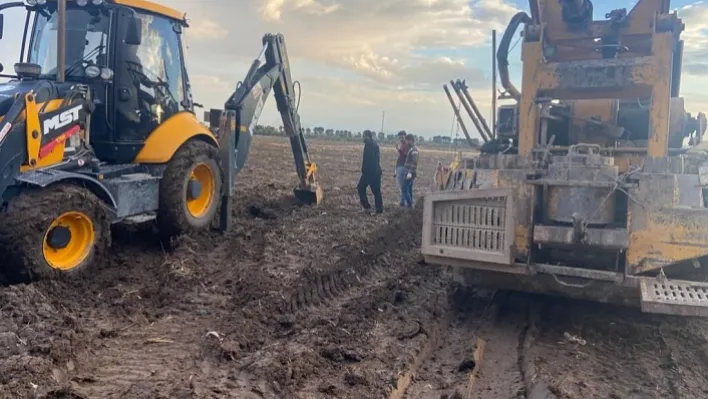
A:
(45, 178)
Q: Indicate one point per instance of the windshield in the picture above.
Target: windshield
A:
(86, 40)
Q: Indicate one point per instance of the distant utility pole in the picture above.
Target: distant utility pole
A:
(383, 117)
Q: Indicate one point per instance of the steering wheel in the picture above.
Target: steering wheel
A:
(138, 69)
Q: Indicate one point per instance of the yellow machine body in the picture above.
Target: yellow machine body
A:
(167, 138)
(595, 196)
(99, 133)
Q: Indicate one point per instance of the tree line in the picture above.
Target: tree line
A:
(348, 135)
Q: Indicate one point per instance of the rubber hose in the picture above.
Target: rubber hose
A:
(503, 53)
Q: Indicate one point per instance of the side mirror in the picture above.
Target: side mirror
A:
(134, 31)
(2, 24)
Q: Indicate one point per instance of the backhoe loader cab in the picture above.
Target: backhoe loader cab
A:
(130, 58)
(97, 126)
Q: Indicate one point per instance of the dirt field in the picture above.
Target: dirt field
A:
(327, 302)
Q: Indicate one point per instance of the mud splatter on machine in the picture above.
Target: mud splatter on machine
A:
(585, 188)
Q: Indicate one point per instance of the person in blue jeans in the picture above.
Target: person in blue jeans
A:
(402, 148)
(410, 169)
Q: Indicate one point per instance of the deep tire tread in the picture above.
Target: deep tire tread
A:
(28, 216)
(172, 216)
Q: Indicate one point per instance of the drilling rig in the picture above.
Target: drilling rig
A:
(596, 186)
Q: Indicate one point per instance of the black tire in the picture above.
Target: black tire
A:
(173, 216)
(25, 224)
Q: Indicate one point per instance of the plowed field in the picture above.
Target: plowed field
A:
(325, 302)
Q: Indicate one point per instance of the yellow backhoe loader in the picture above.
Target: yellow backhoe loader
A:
(97, 126)
(594, 183)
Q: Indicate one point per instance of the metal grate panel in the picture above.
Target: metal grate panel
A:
(674, 297)
(470, 225)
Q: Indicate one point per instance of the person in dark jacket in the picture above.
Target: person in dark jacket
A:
(370, 173)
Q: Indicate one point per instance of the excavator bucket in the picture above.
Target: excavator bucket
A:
(311, 193)
(309, 196)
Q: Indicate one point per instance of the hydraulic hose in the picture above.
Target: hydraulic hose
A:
(503, 53)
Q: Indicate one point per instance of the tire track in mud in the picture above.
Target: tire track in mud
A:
(348, 348)
(480, 350)
(145, 362)
(627, 354)
(323, 288)
(590, 350)
(358, 267)
(449, 364)
(336, 302)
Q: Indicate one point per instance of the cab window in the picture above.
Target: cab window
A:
(156, 69)
(86, 40)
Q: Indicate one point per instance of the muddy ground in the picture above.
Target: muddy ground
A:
(299, 302)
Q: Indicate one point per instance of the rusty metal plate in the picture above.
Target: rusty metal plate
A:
(685, 298)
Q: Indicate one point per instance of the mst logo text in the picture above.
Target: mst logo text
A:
(61, 120)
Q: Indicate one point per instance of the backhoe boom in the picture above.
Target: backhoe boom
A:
(270, 71)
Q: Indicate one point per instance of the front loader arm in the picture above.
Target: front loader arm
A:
(13, 150)
(28, 135)
(270, 71)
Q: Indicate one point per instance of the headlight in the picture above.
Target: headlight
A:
(106, 73)
(81, 3)
(92, 71)
(97, 2)
(31, 2)
(41, 2)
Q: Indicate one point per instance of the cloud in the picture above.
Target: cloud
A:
(272, 9)
(206, 29)
(393, 28)
(696, 69)
(412, 72)
(694, 16)
(382, 39)
(422, 112)
(352, 56)
(695, 58)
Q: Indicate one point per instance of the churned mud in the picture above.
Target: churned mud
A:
(325, 302)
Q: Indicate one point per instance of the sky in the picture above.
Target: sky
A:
(358, 59)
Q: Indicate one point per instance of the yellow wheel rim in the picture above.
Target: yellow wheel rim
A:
(80, 241)
(199, 205)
